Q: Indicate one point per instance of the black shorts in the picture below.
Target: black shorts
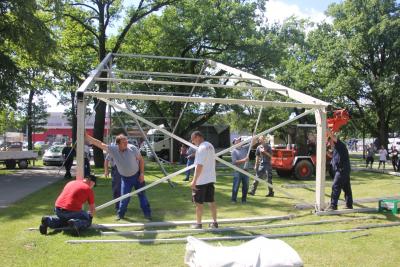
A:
(204, 193)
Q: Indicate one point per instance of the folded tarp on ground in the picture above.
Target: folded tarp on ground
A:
(260, 252)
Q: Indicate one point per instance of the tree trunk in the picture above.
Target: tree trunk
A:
(383, 128)
(99, 122)
(29, 121)
(73, 119)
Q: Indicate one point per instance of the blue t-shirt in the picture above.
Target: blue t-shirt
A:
(126, 161)
(238, 154)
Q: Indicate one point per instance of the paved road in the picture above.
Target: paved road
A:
(24, 182)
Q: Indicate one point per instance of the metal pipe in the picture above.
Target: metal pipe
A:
(230, 229)
(254, 133)
(221, 238)
(156, 57)
(338, 212)
(180, 75)
(212, 100)
(213, 85)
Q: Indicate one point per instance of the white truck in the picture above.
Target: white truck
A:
(12, 154)
(218, 135)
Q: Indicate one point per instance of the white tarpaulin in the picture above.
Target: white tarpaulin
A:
(260, 252)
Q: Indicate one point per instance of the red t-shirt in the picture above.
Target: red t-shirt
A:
(74, 195)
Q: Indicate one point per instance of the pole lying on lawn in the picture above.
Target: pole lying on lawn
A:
(338, 212)
(220, 221)
(221, 238)
(230, 229)
(178, 223)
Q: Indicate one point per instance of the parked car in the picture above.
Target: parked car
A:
(58, 144)
(53, 156)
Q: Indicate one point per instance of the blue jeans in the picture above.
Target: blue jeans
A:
(115, 185)
(81, 219)
(127, 183)
(189, 162)
(237, 178)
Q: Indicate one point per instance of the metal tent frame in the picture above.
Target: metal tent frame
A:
(232, 79)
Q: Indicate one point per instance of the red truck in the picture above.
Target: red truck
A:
(298, 158)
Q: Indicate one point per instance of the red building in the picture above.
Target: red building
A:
(58, 128)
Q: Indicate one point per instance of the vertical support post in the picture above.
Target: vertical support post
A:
(80, 135)
(320, 119)
(110, 75)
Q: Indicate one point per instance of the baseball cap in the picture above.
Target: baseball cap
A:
(236, 139)
(92, 178)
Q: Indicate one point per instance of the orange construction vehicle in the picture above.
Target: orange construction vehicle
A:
(298, 157)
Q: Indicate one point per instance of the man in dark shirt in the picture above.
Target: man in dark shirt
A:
(68, 206)
(341, 168)
(68, 153)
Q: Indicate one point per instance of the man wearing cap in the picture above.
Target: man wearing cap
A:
(68, 206)
(130, 165)
(340, 164)
(239, 159)
(263, 166)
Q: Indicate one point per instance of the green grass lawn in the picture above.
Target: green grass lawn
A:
(19, 247)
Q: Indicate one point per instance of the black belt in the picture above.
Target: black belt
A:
(61, 209)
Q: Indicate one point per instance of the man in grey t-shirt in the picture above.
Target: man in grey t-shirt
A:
(130, 165)
(263, 166)
(239, 158)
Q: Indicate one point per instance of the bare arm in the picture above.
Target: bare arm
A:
(96, 143)
(331, 135)
(257, 162)
(197, 172)
(240, 161)
(141, 167)
(92, 209)
(106, 172)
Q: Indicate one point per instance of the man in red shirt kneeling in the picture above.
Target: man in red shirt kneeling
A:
(68, 206)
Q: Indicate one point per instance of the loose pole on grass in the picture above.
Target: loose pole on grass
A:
(347, 211)
(221, 238)
(230, 229)
(179, 223)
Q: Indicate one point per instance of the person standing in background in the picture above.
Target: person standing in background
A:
(382, 157)
(191, 154)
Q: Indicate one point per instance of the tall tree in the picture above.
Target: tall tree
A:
(96, 16)
(226, 31)
(21, 32)
(363, 62)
